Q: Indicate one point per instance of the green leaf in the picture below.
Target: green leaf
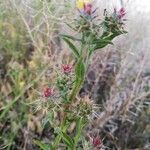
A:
(106, 39)
(70, 26)
(43, 146)
(80, 73)
(73, 48)
(48, 119)
(80, 70)
(70, 37)
(68, 140)
(79, 126)
(102, 43)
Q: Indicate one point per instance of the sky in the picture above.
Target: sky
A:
(141, 5)
(136, 5)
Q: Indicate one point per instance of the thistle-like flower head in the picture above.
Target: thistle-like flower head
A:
(80, 3)
(48, 92)
(67, 68)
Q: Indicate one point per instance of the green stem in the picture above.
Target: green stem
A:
(75, 91)
(58, 137)
(78, 132)
(79, 78)
(57, 141)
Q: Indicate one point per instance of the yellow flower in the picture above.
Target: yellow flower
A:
(87, 1)
(21, 84)
(32, 64)
(80, 3)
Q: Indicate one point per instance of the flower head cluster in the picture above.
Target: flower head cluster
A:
(120, 13)
(67, 68)
(48, 92)
(85, 6)
(97, 142)
(86, 15)
(88, 9)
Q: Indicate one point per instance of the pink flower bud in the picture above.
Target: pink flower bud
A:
(48, 92)
(121, 13)
(97, 142)
(88, 9)
(67, 68)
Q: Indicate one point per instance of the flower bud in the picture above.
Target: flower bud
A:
(121, 13)
(88, 9)
(67, 68)
(97, 142)
(48, 92)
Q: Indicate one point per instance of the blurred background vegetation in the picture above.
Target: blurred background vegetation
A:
(30, 46)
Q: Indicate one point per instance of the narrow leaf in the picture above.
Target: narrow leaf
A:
(102, 44)
(73, 48)
(80, 70)
(70, 37)
(79, 127)
(68, 140)
(42, 145)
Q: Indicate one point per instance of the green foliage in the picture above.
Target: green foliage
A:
(72, 47)
(79, 127)
(43, 146)
(80, 73)
(68, 140)
(49, 119)
(89, 43)
(80, 70)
